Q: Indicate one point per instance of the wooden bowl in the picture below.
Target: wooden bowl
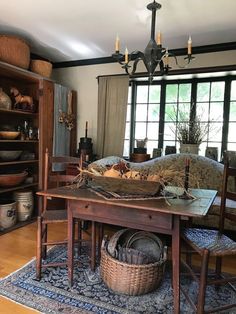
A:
(9, 155)
(9, 135)
(12, 179)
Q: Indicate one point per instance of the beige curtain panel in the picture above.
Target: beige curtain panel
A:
(112, 107)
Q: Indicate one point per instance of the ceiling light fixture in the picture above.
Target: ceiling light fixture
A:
(153, 55)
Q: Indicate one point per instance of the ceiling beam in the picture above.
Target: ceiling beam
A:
(177, 52)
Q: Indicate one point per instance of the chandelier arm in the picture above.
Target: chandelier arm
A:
(135, 64)
(189, 58)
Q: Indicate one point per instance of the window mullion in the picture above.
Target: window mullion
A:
(162, 114)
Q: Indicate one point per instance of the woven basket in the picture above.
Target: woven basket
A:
(15, 51)
(41, 67)
(130, 279)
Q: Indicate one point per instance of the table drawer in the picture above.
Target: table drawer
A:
(118, 215)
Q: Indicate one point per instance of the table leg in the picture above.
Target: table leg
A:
(176, 263)
(93, 247)
(70, 245)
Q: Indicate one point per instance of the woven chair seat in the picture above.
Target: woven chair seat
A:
(55, 215)
(218, 244)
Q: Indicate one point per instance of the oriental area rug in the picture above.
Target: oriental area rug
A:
(89, 294)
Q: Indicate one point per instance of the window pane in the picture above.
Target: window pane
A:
(217, 91)
(215, 132)
(171, 93)
(184, 112)
(232, 132)
(233, 90)
(155, 94)
(128, 113)
(203, 91)
(141, 112)
(232, 146)
(216, 111)
(170, 112)
(202, 111)
(170, 131)
(142, 94)
(153, 112)
(151, 145)
(232, 116)
(127, 130)
(152, 131)
(129, 95)
(185, 92)
(140, 130)
(126, 148)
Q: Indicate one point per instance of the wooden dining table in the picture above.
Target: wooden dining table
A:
(160, 215)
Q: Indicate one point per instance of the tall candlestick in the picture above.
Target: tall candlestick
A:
(189, 45)
(126, 55)
(166, 57)
(186, 181)
(117, 44)
(86, 129)
(159, 38)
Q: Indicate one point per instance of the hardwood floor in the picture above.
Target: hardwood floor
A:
(19, 246)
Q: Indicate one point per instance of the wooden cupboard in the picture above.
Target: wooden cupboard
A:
(41, 123)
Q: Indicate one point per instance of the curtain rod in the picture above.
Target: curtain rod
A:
(182, 71)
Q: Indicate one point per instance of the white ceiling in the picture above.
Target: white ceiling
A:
(69, 30)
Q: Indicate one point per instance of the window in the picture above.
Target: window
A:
(151, 109)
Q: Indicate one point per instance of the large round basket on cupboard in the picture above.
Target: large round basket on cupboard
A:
(7, 214)
(41, 67)
(15, 51)
(25, 204)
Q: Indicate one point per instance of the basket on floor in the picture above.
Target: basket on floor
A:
(130, 279)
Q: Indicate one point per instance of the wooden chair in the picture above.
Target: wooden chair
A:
(49, 216)
(209, 243)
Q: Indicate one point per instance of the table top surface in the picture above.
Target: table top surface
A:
(197, 207)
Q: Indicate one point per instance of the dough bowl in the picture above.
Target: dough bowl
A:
(12, 179)
(9, 135)
(10, 155)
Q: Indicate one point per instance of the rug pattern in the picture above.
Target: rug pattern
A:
(89, 294)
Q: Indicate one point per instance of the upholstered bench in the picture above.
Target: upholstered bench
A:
(206, 172)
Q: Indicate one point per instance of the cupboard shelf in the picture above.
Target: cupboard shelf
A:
(18, 187)
(18, 162)
(19, 112)
(19, 141)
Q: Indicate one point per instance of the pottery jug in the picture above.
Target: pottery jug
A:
(5, 100)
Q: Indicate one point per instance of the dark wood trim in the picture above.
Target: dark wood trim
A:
(177, 52)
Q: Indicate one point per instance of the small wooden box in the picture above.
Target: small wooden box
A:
(139, 157)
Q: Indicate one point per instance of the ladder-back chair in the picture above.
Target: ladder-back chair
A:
(48, 216)
(208, 243)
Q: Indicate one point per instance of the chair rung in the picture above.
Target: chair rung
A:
(54, 264)
(59, 264)
(221, 281)
(54, 243)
